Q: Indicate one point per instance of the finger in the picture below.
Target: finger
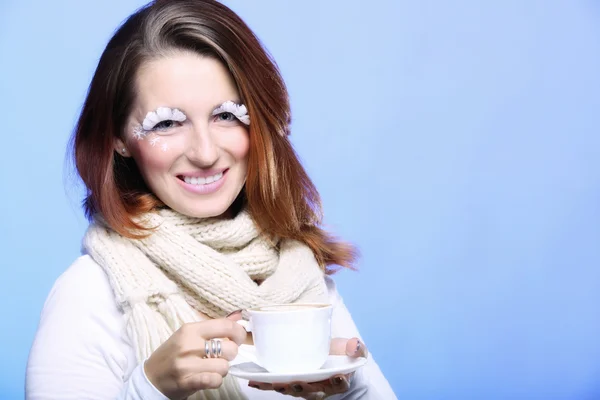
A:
(356, 348)
(260, 385)
(281, 388)
(303, 389)
(201, 381)
(192, 366)
(338, 384)
(235, 316)
(338, 347)
(229, 350)
(314, 387)
(348, 347)
(316, 390)
(333, 385)
(220, 328)
(297, 390)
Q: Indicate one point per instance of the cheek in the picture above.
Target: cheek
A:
(153, 158)
(239, 145)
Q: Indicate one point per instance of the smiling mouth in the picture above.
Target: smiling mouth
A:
(199, 181)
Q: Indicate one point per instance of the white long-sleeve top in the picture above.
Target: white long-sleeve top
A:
(81, 349)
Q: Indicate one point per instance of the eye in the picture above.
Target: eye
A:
(225, 116)
(164, 125)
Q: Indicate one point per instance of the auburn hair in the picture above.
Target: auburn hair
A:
(278, 193)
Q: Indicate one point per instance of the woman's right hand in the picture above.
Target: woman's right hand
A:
(179, 367)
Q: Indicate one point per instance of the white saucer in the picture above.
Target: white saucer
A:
(246, 367)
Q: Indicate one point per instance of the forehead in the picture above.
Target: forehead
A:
(184, 80)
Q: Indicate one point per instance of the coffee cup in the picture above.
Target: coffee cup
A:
(290, 338)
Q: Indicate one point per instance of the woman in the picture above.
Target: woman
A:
(199, 208)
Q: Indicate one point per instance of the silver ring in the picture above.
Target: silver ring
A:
(213, 344)
(212, 349)
(206, 349)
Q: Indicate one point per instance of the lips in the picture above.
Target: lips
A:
(193, 180)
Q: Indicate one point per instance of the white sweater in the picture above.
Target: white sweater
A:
(81, 350)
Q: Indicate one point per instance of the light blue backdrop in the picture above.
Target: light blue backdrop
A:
(457, 143)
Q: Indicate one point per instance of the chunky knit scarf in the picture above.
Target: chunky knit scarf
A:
(208, 265)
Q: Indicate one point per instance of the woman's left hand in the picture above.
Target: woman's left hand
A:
(320, 390)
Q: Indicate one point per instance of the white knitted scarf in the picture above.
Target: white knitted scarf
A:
(207, 265)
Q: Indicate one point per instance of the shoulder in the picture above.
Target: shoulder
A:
(84, 270)
(84, 285)
(80, 345)
(82, 299)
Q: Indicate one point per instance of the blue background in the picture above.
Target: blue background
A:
(455, 142)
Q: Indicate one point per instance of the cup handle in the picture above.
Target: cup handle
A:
(247, 325)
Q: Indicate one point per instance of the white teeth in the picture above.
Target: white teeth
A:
(202, 181)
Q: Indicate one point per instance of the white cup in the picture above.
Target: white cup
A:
(290, 338)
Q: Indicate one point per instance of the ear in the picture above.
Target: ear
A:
(121, 148)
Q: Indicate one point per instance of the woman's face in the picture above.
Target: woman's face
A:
(188, 134)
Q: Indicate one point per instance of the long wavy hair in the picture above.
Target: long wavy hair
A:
(278, 193)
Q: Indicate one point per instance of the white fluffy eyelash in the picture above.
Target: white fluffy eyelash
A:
(239, 110)
(165, 113)
(162, 114)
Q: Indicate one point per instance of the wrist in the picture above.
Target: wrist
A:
(151, 379)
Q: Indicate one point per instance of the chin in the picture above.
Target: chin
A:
(203, 210)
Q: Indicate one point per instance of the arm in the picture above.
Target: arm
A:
(368, 382)
(80, 350)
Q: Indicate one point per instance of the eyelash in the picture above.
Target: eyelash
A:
(233, 117)
(157, 127)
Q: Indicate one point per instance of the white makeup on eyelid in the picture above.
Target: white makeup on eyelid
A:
(238, 110)
(173, 114)
(153, 118)
(162, 114)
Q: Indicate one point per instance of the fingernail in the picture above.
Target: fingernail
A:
(297, 388)
(358, 347)
(235, 312)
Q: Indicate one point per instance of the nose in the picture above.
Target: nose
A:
(202, 149)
